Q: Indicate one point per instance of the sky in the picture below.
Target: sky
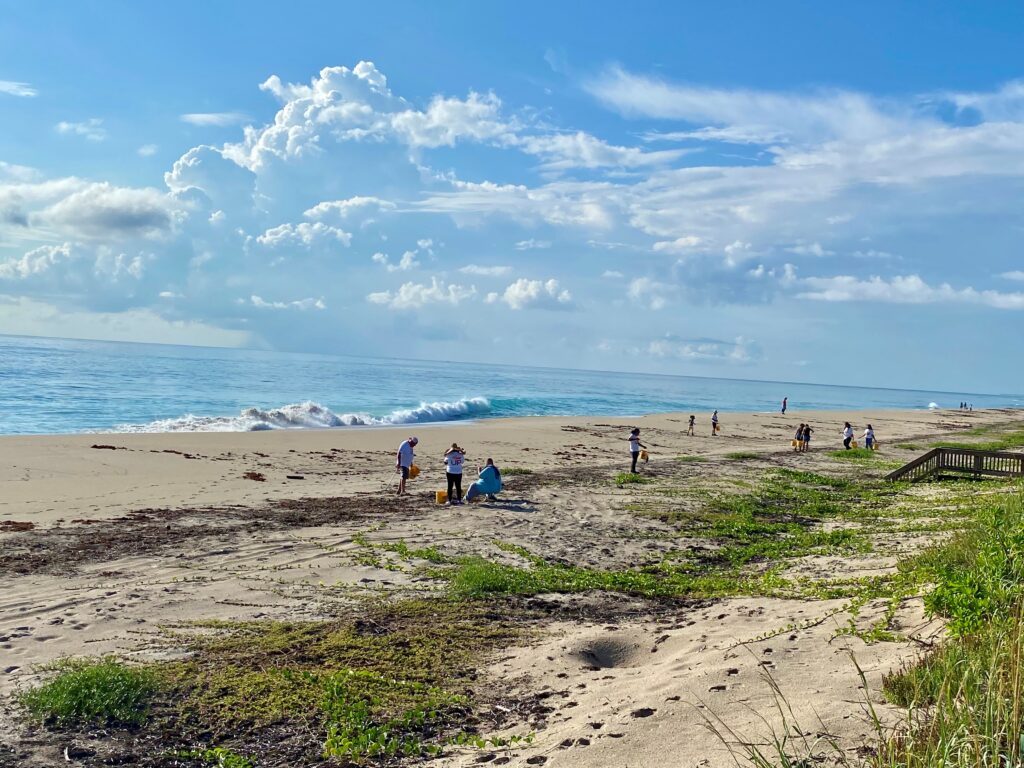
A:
(794, 191)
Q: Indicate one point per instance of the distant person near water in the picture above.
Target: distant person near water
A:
(847, 435)
(488, 484)
(453, 460)
(714, 424)
(403, 461)
(785, 402)
(634, 447)
(691, 425)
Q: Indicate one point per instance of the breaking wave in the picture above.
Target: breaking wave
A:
(310, 415)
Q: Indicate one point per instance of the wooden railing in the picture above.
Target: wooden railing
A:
(991, 463)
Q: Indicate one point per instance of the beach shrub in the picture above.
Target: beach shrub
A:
(93, 692)
(741, 455)
(1007, 442)
(624, 478)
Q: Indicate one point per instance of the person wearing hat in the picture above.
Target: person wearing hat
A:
(403, 461)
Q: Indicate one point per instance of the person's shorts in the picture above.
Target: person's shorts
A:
(405, 473)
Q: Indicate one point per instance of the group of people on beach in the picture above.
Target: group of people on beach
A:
(487, 484)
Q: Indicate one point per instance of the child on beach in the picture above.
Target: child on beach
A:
(807, 438)
(488, 484)
(798, 438)
(403, 461)
(847, 435)
(453, 459)
(693, 421)
(634, 447)
(714, 424)
(869, 438)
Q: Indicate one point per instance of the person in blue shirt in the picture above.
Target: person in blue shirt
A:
(488, 484)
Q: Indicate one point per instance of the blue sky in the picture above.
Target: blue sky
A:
(797, 191)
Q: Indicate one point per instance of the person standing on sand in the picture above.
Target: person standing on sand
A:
(847, 435)
(453, 460)
(785, 401)
(714, 424)
(869, 437)
(403, 461)
(693, 422)
(798, 438)
(807, 438)
(634, 448)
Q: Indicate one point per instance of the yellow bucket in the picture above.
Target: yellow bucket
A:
(413, 471)
(644, 457)
(441, 496)
(795, 443)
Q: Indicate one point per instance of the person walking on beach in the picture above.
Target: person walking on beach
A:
(453, 460)
(693, 422)
(403, 461)
(869, 438)
(807, 438)
(714, 424)
(785, 401)
(847, 435)
(798, 438)
(634, 448)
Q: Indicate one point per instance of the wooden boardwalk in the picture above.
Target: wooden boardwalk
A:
(961, 460)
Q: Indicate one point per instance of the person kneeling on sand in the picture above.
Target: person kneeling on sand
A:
(488, 484)
(453, 459)
(403, 461)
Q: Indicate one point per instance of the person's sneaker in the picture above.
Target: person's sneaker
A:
(491, 497)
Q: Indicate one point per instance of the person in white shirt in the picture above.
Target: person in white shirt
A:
(454, 458)
(847, 435)
(634, 447)
(403, 461)
(714, 424)
(869, 437)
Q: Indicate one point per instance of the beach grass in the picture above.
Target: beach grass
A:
(627, 478)
(742, 455)
(96, 692)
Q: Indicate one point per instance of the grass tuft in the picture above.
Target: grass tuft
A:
(92, 692)
(742, 455)
(624, 478)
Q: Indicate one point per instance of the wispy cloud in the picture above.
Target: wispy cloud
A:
(91, 129)
(12, 88)
(219, 119)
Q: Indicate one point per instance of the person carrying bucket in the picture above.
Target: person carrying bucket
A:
(714, 424)
(634, 448)
(869, 438)
(454, 458)
(403, 461)
(847, 435)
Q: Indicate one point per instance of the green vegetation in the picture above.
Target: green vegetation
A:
(741, 455)
(624, 478)
(217, 757)
(690, 459)
(1007, 442)
(92, 692)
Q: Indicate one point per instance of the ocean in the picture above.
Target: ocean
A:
(59, 386)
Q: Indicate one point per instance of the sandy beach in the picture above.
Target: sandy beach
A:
(107, 539)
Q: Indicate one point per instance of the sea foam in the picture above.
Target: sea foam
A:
(310, 415)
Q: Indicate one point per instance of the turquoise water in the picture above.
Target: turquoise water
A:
(62, 386)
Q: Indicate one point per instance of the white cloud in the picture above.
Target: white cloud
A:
(416, 295)
(741, 350)
(810, 249)
(12, 88)
(406, 263)
(534, 294)
(563, 151)
(37, 261)
(904, 289)
(495, 271)
(612, 274)
(147, 150)
(682, 244)
(304, 234)
(300, 304)
(20, 173)
(531, 244)
(219, 119)
(91, 129)
(650, 293)
(1013, 275)
(345, 208)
